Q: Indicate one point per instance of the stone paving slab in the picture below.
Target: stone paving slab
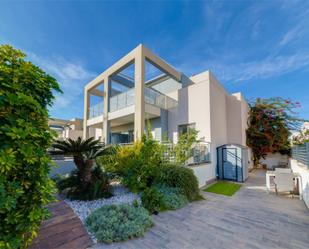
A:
(249, 219)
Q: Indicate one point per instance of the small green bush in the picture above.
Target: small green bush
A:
(182, 178)
(137, 165)
(152, 200)
(161, 198)
(99, 186)
(172, 198)
(118, 222)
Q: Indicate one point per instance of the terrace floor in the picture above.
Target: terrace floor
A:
(249, 219)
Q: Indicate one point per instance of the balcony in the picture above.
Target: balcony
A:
(126, 99)
(152, 97)
(96, 110)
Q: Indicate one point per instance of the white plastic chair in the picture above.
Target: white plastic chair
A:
(284, 182)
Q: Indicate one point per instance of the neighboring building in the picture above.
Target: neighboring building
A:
(142, 88)
(67, 128)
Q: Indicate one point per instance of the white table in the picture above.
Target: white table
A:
(297, 177)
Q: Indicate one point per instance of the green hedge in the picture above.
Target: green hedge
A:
(182, 178)
(25, 189)
(113, 223)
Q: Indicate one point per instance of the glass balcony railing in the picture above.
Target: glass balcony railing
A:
(122, 100)
(96, 110)
(158, 99)
(152, 97)
(126, 99)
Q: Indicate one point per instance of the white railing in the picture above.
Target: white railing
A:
(199, 153)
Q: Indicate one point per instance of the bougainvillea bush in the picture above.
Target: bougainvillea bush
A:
(270, 124)
(25, 93)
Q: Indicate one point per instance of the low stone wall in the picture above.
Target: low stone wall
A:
(205, 173)
(304, 172)
(273, 160)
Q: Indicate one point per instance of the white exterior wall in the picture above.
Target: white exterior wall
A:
(304, 173)
(72, 134)
(272, 160)
(219, 118)
(193, 107)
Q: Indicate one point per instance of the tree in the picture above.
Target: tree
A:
(84, 152)
(183, 148)
(25, 188)
(270, 123)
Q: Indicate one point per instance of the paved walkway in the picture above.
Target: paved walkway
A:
(249, 219)
(63, 230)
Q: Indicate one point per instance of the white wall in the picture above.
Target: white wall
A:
(220, 118)
(193, 107)
(204, 173)
(304, 172)
(272, 160)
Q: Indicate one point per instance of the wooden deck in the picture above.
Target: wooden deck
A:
(63, 231)
(249, 219)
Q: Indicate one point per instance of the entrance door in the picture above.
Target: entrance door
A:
(229, 166)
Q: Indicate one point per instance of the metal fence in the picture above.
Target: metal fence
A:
(199, 153)
(301, 153)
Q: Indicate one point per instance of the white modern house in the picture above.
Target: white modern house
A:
(65, 129)
(142, 88)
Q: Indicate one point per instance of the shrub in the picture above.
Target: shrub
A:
(161, 198)
(84, 153)
(118, 222)
(138, 165)
(98, 187)
(172, 198)
(152, 200)
(182, 178)
(25, 188)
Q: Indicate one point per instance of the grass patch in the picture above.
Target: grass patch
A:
(223, 188)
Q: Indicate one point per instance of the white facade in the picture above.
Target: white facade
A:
(168, 102)
(67, 128)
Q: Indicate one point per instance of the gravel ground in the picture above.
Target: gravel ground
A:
(83, 208)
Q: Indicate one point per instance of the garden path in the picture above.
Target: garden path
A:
(63, 230)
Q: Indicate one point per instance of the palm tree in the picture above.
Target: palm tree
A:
(84, 152)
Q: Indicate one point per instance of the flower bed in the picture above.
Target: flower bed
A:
(120, 195)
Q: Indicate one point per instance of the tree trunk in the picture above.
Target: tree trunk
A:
(87, 174)
(84, 170)
(79, 162)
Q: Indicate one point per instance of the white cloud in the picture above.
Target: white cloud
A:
(72, 77)
(259, 58)
(266, 68)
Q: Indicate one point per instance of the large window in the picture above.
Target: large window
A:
(184, 128)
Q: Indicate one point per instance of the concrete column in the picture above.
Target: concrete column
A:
(86, 113)
(139, 116)
(106, 123)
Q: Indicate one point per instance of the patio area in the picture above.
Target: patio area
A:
(249, 219)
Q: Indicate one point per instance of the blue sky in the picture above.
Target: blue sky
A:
(260, 48)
